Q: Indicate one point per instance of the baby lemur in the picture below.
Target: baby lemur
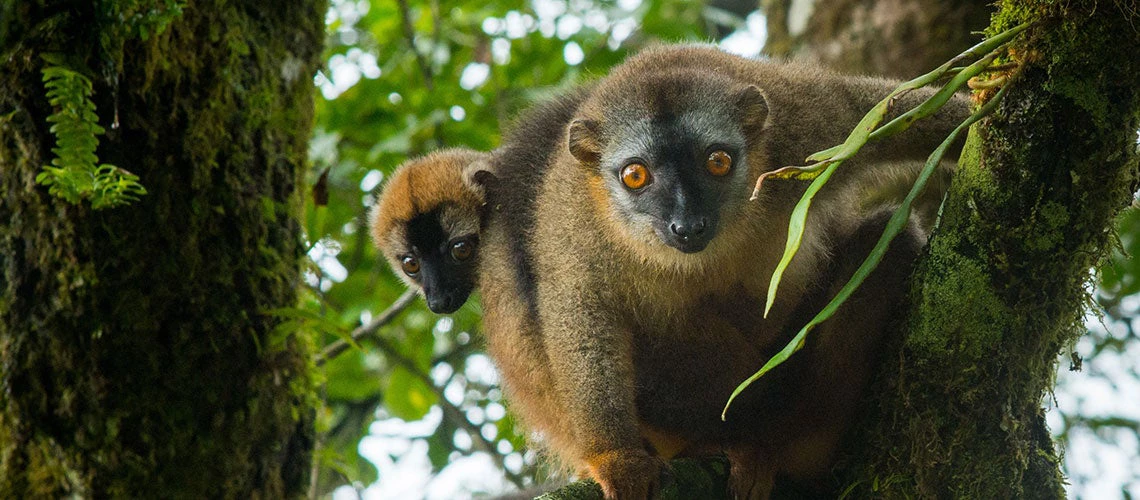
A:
(426, 223)
(624, 272)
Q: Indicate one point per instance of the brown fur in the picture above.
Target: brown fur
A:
(627, 341)
(506, 268)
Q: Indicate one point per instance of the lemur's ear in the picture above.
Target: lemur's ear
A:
(584, 141)
(480, 175)
(753, 108)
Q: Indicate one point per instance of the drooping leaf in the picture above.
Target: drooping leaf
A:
(865, 131)
(895, 225)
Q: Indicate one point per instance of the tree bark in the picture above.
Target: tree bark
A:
(137, 357)
(896, 38)
(1005, 284)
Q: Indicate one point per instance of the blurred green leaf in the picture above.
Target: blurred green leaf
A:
(353, 467)
(440, 447)
(408, 397)
(348, 379)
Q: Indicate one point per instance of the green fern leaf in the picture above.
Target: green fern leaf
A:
(75, 173)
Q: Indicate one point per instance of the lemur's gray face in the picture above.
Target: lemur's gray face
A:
(675, 170)
(675, 177)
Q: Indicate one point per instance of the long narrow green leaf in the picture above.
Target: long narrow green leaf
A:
(861, 135)
(796, 232)
(935, 102)
(856, 139)
(894, 226)
(807, 173)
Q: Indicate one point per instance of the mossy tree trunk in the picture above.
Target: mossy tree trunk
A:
(136, 354)
(1004, 286)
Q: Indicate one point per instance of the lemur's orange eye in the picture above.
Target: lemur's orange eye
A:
(719, 163)
(411, 265)
(635, 176)
(462, 250)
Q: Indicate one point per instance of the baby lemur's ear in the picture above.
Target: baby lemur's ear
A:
(584, 141)
(480, 176)
(753, 108)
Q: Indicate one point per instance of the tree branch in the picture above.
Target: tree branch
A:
(689, 478)
(362, 331)
(410, 36)
(451, 411)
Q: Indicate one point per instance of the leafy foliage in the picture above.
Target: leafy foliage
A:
(895, 225)
(75, 173)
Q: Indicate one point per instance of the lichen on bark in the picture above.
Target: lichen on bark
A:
(134, 348)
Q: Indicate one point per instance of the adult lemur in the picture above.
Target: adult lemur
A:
(624, 271)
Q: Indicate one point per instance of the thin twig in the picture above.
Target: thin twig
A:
(436, 32)
(410, 36)
(334, 349)
(394, 355)
(451, 411)
(436, 38)
(315, 470)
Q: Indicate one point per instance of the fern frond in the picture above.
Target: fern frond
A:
(74, 173)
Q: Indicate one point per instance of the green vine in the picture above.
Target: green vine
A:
(75, 173)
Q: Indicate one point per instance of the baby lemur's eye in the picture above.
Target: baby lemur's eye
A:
(462, 250)
(410, 264)
(719, 163)
(635, 176)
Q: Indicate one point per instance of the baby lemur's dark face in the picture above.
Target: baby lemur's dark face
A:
(672, 159)
(440, 262)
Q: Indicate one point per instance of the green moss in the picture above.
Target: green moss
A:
(960, 314)
(1053, 220)
(142, 370)
(971, 155)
